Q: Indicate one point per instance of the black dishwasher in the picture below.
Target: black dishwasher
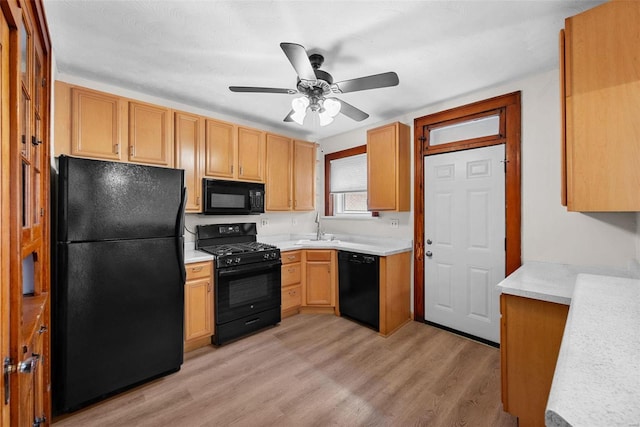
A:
(359, 287)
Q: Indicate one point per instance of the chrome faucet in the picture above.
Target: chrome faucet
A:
(318, 232)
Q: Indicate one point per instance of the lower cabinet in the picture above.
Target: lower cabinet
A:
(530, 334)
(320, 279)
(291, 283)
(198, 305)
(32, 381)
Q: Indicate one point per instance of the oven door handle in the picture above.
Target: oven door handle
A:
(228, 271)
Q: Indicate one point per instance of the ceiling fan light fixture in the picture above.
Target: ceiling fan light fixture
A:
(299, 106)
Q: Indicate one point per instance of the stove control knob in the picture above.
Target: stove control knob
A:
(228, 261)
(237, 260)
(265, 256)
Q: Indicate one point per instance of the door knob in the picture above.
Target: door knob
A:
(429, 254)
(429, 241)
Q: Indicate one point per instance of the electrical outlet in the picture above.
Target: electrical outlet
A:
(264, 222)
(395, 223)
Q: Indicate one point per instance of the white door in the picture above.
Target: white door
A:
(464, 238)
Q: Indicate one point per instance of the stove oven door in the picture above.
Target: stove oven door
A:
(243, 291)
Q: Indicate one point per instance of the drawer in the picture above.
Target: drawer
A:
(291, 274)
(319, 255)
(291, 297)
(198, 270)
(291, 257)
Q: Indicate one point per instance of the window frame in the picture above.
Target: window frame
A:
(328, 200)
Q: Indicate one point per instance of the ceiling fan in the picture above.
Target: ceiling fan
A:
(315, 85)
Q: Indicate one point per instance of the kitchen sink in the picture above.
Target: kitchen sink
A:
(314, 242)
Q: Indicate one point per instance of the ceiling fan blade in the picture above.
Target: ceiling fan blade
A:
(363, 83)
(288, 118)
(300, 60)
(351, 111)
(261, 89)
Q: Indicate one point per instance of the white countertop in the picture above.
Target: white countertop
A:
(597, 376)
(288, 242)
(192, 255)
(549, 281)
(363, 244)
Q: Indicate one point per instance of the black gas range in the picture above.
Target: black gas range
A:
(247, 279)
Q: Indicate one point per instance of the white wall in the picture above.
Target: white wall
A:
(549, 232)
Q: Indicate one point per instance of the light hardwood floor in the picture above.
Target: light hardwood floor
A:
(317, 370)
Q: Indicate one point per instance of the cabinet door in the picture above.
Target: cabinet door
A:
(381, 168)
(96, 125)
(304, 176)
(198, 310)
(278, 182)
(250, 154)
(530, 335)
(318, 283)
(602, 108)
(188, 130)
(150, 139)
(219, 151)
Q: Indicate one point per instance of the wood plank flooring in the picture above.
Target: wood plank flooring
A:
(317, 370)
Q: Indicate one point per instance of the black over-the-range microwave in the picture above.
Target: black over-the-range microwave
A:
(232, 197)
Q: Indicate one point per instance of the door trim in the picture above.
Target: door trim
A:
(508, 108)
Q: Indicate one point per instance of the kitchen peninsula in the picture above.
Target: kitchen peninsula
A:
(569, 345)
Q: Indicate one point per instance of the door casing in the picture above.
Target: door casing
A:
(509, 109)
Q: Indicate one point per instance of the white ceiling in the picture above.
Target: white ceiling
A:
(191, 51)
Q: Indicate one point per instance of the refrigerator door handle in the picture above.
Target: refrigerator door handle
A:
(183, 270)
(180, 221)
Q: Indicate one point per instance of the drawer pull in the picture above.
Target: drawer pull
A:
(291, 270)
(291, 257)
(196, 269)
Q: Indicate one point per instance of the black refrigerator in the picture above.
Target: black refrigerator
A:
(118, 294)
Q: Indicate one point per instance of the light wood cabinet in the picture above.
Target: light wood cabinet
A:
(98, 121)
(304, 176)
(189, 137)
(251, 148)
(530, 336)
(279, 195)
(291, 283)
(25, 219)
(150, 138)
(198, 305)
(388, 168)
(395, 292)
(219, 152)
(290, 174)
(600, 84)
(234, 152)
(98, 125)
(320, 278)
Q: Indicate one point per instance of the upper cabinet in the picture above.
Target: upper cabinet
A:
(219, 151)
(102, 126)
(189, 136)
(234, 152)
(600, 81)
(304, 176)
(251, 149)
(96, 122)
(150, 139)
(290, 175)
(388, 168)
(278, 191)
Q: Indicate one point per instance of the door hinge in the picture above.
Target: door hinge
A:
(39, 420)
(504, 162)
(505, 243)
(44, 82)
(8, 367)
